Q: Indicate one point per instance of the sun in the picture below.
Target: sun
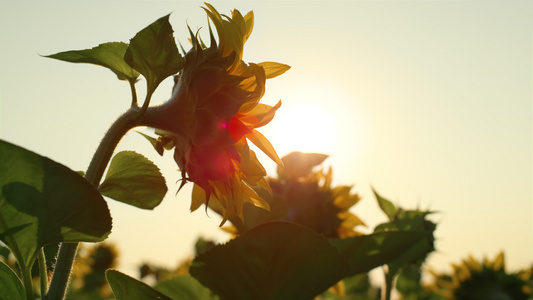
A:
(304, 126)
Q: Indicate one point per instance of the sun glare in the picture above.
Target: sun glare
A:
(306, 127)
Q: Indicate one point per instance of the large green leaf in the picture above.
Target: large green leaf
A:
(109, 55)
(280, 260)
(386, 206)
(10, 285)
(276, 260)
(184, 287)
(44, 202)
(135, 180)
(153, 52)
(408, 220)
(127, 288)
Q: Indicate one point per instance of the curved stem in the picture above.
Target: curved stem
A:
(134, 102)
(95, 171)
(145, 104)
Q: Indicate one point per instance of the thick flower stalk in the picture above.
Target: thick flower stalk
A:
(213, 112)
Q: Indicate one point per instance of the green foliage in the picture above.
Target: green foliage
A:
(109, 55)
(153, 52)
(386, 206)
(408, 281)
(10, 285)
(410, 261)
(50, 254)
(127, 288)
(184, 287)
(134, 179)
(411, 221)
(354, 287)
(364, 253)
(276, 260)
(43, 202)
(4, 253)
(281, 260)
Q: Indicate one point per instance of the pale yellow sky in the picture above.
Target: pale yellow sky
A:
(431, 101)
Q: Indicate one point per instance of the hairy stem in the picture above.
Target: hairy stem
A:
(28, 284)
(95, 171)
(134, 102)
(43, 272)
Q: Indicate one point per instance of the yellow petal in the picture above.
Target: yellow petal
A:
(245, 24)
(260, 115)
(249, 20)
(252, 169)
(274, 69)
(499, 262)
(345, 202)
(299, 164)
(264, 183)
(264, 144)
(255, 83)
(198, 197)
(255, 199)
(229, 39)
(231, 229)
(350, 220)
(327, 181)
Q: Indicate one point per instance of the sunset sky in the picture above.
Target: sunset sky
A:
(429, 102)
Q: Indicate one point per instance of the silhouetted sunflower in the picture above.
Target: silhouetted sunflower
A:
(472, 279)
(305, 196)
(212, 114)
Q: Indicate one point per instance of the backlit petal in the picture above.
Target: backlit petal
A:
(260, 115)
(198, 197)
(274, 69)
(264, 144)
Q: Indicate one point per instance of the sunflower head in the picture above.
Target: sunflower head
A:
(486, 279)
(214, 112)
(303, 195)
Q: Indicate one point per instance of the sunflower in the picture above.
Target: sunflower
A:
(303, 195)
(213, 113)
(486, 279)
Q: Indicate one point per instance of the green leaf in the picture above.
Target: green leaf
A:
(125, 287)
(280, 260)
(276, 260)
(153, 52)
(43, 202)
(10, 285)
(157, 146)
(4, 253)
(366, 252)
(408, 281)
(184, 287)
(134, 179)
(109, 55)
(411, 221)
(386, 206)
(408, 220)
